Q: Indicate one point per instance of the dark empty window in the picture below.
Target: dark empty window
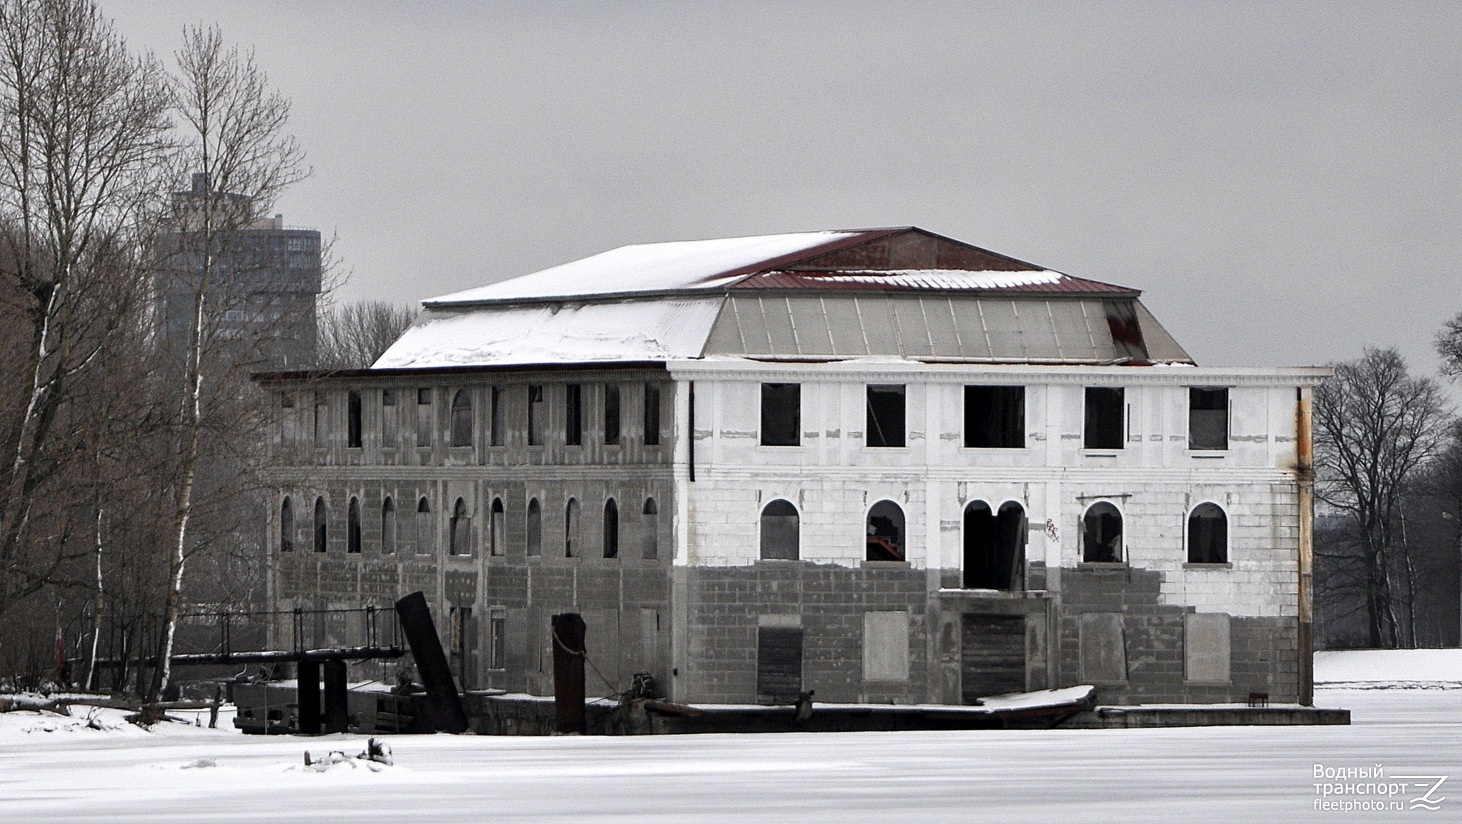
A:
(885, 415)
(352, 526)
(389, 421)
(611, 529)
(499, 422)
(352, 420)
(885, 528)
(779, 527)
(1101, 534)
(652, 415)
(1207, 535)
(535, 414)
(459, 534)
(995, 417)
(573, 405)
(1106, 413)
(994, 546)
(462, 418)
(781, 414)
(1207, 418)
(286, 526)
(571, 529)
(321, 533)
(388, 526)
(423, 417)
(611, 413)
(322, 421)
(424, 532)
(534, 527)
(650, 530)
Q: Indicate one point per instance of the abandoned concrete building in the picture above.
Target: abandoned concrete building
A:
(882, 464)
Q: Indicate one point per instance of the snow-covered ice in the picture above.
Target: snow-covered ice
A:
(183, 774)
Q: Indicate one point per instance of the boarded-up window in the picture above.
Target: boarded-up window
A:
(1207, 535)
(535, 414)
(652, 415)
(992, 655)
(573, 414)
(611, 413)
(1106, 415)
(497, 649)
(535, 527)
(1207, 418)
(778, 664)
(462, 418)
(779, 531)
(885, 415)
(390, 422)
(288, 422)
(1101, 534)
(322, 421)
(1103, 648)
(886, 646)
(352, 420)
(781, 414)
(995, 417)
(496, 532)
(1206, 648)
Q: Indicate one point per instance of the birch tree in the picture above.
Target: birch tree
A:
(84, 131)
(234, 140)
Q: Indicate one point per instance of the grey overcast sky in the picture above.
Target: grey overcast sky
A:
(1283, 180)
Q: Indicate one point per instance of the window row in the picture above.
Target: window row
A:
(994, 538)
(462, 423)
(459, 528)
(994, 416)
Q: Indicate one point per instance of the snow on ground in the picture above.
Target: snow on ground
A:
(178, 773)
(1390, 668)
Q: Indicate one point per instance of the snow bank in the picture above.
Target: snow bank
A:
(1390, 668)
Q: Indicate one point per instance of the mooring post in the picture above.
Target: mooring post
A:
(447, 711)
(568, 672)
(307, 690)
(337, 701)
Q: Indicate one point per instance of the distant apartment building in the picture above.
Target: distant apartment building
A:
(262, 288)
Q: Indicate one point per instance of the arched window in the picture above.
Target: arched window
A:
(1207, 535)
(535, 527)
(571, 529)
(650, 530)
(388, 526)
(611, 529)
(320, 532)
(1101, 534)
(352, 527)
(779, 531)
(424, 543)
(462, 418)
(885, 532)
(994, 546)
(497, 540)
(459, 539)
(286, 526)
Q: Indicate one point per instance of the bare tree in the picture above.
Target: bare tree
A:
(83, 133)
(1449, 346)
(354, 335)
(1376, 427)
(236, 146)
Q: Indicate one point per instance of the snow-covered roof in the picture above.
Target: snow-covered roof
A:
(900, 293)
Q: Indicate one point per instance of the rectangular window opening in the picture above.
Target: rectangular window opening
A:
(1105, 416)
(781, 414)
(995, 417)
(1208, 418)
(352, 420)
(611, 414)
(535, 414)
(652, 415)
(388, 417)
(423, 417)
(573, 414)
(499, 422)
(885, 426)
